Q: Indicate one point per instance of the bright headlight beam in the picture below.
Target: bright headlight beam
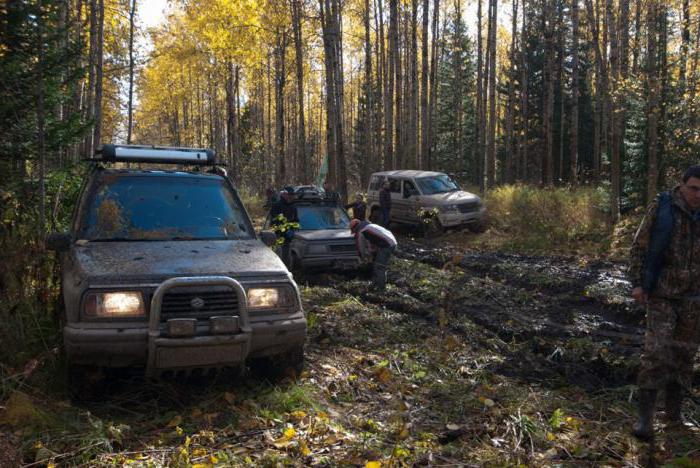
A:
(114, 304)
(263, 297)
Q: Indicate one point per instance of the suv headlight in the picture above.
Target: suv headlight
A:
(114, 304)
(270, 297)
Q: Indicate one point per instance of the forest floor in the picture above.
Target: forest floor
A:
(469, 358)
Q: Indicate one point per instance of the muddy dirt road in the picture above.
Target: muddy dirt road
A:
(468, 359)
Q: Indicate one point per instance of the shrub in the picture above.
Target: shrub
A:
(537, 218)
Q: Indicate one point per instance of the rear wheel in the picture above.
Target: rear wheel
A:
(477, 227)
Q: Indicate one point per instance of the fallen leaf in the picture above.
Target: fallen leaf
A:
(289, 433)
(373, 464)
(230, 398)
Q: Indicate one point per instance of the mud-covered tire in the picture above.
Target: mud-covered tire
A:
(477, 227)
(85, 383)
(433, 228)
(295, 266)
(289, 364)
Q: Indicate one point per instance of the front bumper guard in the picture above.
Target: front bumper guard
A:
(212, 350)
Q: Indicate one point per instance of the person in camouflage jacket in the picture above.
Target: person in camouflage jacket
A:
(672, 300)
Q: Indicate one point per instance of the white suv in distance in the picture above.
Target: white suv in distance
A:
(413, 190)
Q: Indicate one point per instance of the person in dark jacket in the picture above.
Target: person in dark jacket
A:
(665, 276)
(359, 207)
(385, 203)
(282, 214)
(375, 244)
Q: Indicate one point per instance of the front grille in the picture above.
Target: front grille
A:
(180, 303)
(468, 207)
(343, 248)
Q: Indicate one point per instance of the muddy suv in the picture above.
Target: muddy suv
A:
(413, 191)
(323, 239)
(162, 270)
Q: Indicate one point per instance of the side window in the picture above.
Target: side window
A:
(409, 189)
(394, 185)
(376, 183)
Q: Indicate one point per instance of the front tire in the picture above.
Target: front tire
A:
(277, 367)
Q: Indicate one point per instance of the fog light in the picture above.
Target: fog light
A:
(224, 324)
(181, 327)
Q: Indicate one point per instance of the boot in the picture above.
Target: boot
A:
(674, 401)
(644, 427)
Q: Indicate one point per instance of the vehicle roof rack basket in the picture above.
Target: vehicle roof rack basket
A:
(155, 154)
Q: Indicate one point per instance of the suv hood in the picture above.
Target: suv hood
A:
(324, 235)
(457, 196)
(119, 261)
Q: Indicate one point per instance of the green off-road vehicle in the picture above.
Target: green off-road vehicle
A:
(162, 270)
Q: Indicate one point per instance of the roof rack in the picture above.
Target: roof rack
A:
(155, 154)
(316, 196)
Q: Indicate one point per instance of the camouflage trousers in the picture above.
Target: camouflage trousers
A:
(670, 343)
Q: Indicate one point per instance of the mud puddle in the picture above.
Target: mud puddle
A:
(556, 321)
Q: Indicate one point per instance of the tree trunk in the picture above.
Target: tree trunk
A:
(547, 162)
(524, 99)
(491, 152)
(280, 81)
(424, 116)
(432, 103)
(130, 105)
(301, 155)
(510, 105)
(97, 133)
(390, 160)
(653, 101)
(480, 123)
(573, 158)
(368, 152)
(40, 111)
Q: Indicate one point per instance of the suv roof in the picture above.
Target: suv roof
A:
(408, 173)
(157, 172)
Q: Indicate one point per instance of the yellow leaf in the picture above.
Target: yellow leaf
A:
(199, 452)
(289, 433)
(304, 449)
(298, 415)
(373, 464)
(213, 459)
(489, 402)
(551, 437)
(176, 421)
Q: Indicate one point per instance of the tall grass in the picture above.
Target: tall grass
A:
(533, 218)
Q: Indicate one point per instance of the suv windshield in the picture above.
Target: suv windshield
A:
(322, 217)
(436, 184)
(137, 207)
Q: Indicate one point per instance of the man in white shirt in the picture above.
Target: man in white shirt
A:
(375, 244)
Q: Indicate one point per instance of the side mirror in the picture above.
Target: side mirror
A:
(269, 238)
(58, 241)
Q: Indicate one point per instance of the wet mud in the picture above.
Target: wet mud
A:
(556, 321)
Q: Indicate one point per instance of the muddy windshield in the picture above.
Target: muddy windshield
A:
(322, 217)
(163, 208)
(436, 184)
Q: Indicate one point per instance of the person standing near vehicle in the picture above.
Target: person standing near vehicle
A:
(375, 244)
(385, 202)
(665, 276)
(283, 216)
(359, 207)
